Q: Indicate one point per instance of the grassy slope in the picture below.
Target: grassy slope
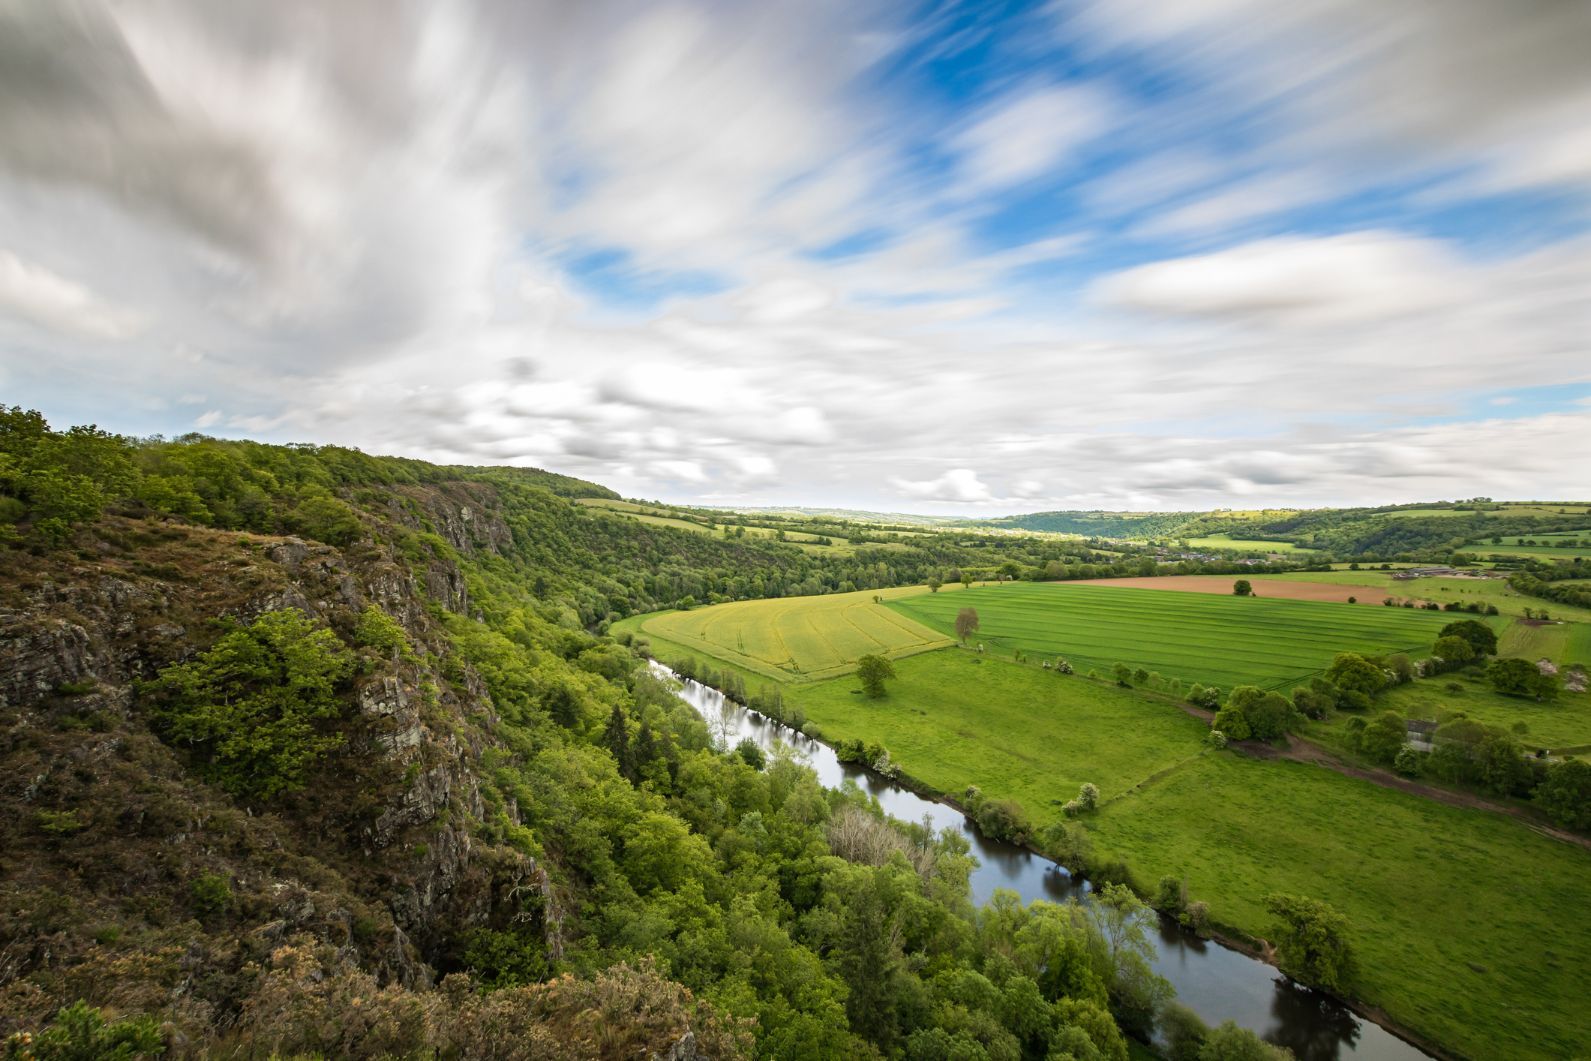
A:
(1467, 926)
(954, 718)
(1192, 636)
(1399, 866)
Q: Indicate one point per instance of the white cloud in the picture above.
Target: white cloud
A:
(960, 485)
(1338, 279)
(52, 301)
(1030, 132)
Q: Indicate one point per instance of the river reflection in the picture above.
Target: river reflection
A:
(1216, 982)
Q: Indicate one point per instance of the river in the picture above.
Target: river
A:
(1215, 981)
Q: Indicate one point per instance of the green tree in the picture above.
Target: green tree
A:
(1454, 651)
(966, 623)
(1242, 588)
(616, 738)
(257, 704)
(873, 671)
(1520, 677)
(1229, 1042)
(1482, 637)
(1352, 673)
(1311, 941)
(1565, 794)
(1383, 737)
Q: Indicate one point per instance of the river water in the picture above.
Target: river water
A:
(1216, 982)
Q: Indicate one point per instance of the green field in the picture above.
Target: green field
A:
(1199, 637)
(1226, 541)
(1400, 867)
(798, 638)
(1493, 591)
(1466, 925)
(954, 716)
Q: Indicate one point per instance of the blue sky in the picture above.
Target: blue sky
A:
(948, 257)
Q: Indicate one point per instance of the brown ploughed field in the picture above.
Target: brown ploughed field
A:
(1223, 584)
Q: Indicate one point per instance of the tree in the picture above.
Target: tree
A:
(934, 582)
(1229, 1042)
(966, 623)
(1311, 941)
(1520, 677)
(1384, 736)
(873, 671)
(1242, 588)
(1352, 673)
(616, 737)
(256, 705)
(1565, 794)
(1482, 637)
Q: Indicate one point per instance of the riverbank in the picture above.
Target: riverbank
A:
(1243, 986)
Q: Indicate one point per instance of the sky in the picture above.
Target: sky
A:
(961, 258)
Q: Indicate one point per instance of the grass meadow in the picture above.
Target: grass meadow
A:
(1196, 637)
(798, 638)
(956, 718)
(1442, 590)
(1466, 925)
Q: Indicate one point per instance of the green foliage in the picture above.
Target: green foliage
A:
(59, 822)
(1229, 1042)
(1520, 677)
(506, 958)
(1565, 794)
(1383, 737)
(1480, 636)
(80, 1032)
(257, 705)
(873, 671)
(211, 894)
(966, 623)
(380, 631)
(1242, 588)
(1454, 652)
(1352, 673)
(1311, 941)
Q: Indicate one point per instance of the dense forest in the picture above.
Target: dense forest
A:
(304, 751)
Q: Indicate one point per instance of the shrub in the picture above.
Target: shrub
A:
(378, 630)
(1171, 896)
(80, 1033)
(211, 894)
(1088, 795)
(1231, 723)
(1408, 761)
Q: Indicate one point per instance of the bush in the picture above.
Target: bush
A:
(1408, 761)
(1171, 896)
(80, 1033)
(211, 894)
(1565, 794)
(1231, 722)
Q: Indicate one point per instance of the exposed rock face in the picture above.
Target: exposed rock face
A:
(391, 822)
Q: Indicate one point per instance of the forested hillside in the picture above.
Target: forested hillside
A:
(304, 751)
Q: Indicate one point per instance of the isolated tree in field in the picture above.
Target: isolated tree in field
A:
(934, 582)
(1242, 588)
(966, 623)
(1520, 677)
(873, 671)
(1311, 941)
(1478, 634)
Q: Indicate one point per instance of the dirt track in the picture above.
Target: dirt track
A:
(1300, 750)
(1222, 584)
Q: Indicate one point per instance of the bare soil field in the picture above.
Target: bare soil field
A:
(1321, 591)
